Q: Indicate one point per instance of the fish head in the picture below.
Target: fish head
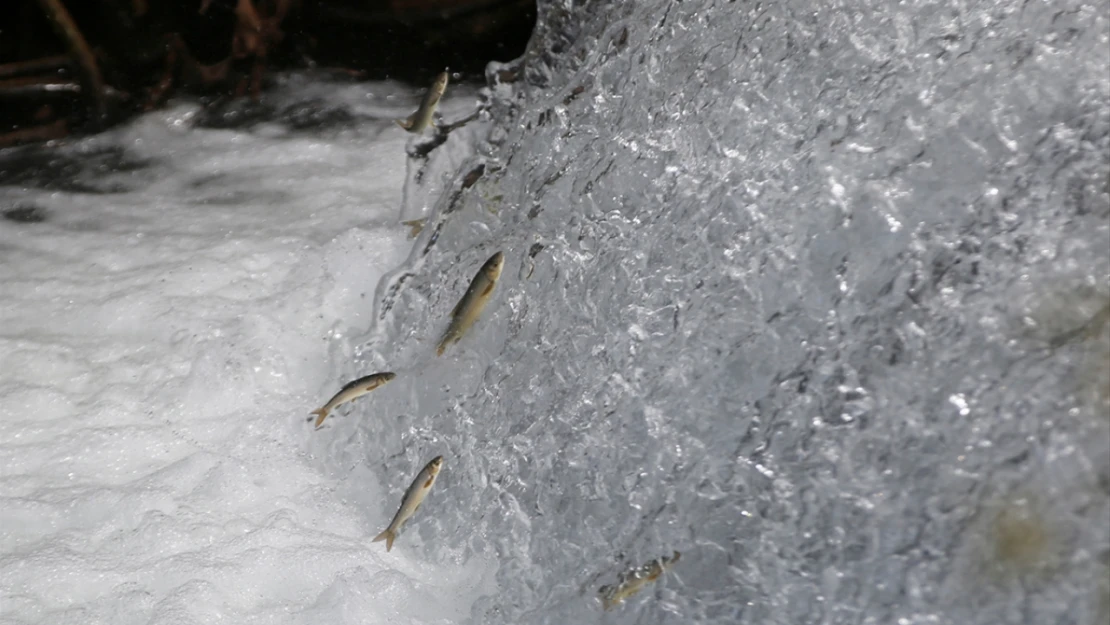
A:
(493, 266)
(436, 464)
(388, 376)
(440, 84)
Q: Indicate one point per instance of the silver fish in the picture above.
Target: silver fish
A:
(468, 309)
(351, 391)
(634, 581)
(420, 120)
(414, 496)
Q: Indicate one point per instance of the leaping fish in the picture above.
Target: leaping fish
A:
(352, 391)
(420, 120)
(632, 582)
(414, 496)
(468, 309)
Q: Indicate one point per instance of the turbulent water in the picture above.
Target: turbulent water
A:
(815, 294)
(809, 292)
(172, 295)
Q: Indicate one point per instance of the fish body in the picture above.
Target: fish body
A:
(468, 309)
(420, 120)
(352, 390)
(414, 496)
(635, 580)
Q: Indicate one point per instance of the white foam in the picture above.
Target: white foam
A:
(161, 347)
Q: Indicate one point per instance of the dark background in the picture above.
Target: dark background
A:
(140, 52)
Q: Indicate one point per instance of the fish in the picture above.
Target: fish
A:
(468, 309)
(1088, 331)
(632, 582)
(420, 120)
(414, 496)
(416, 226)
(351, 391)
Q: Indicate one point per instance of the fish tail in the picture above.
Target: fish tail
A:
(321, 414)
(388, 536)
(407, 122)
(450, 337)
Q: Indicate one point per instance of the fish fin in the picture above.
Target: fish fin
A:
(387, 536)
(607, 593)
(350, 385)
(407, 122)
(321, 414)
(416, 226)
(449, 338)
(446, 340)
(488, 289)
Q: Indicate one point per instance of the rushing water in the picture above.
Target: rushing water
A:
(813, 293)
(803, 291)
